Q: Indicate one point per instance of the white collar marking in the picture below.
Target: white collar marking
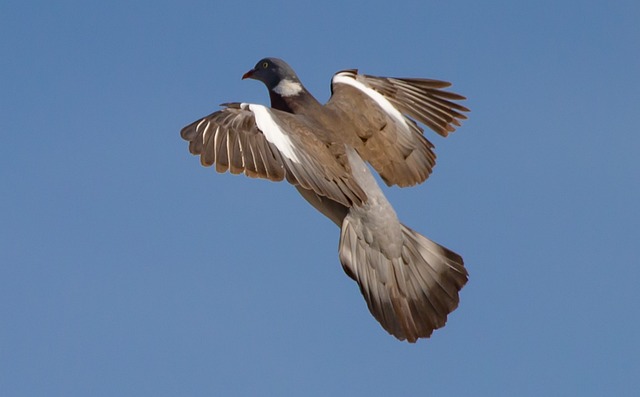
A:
(272, 131)
(288, 87)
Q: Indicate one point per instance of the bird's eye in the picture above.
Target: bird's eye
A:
(265, 65)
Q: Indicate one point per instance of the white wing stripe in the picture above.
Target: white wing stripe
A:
(272, 131)
(344, 78)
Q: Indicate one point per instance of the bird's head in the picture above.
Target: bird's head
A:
(272, 71)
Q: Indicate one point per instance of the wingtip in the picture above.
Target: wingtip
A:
(232, 105)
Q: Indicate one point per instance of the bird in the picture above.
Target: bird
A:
(409, 282)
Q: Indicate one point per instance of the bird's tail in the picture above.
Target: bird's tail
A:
(411, 293)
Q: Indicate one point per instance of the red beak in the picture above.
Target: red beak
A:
(249, 74)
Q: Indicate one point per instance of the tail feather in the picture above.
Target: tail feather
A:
(411, 294)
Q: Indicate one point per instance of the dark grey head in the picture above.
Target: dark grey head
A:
(271, 71)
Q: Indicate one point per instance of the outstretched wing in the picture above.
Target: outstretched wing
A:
(383, 112)
(266, 143)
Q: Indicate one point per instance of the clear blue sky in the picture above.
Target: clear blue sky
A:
(127, 269)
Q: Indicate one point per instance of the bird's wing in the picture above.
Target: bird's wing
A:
(266, 143)
(383, 112)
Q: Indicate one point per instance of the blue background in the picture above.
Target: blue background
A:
(127, 269)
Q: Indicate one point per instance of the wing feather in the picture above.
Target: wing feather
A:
(395, 146)
(265, 143)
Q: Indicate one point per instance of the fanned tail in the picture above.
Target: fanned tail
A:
(411, 294)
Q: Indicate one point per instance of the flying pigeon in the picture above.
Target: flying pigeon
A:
(409, 282)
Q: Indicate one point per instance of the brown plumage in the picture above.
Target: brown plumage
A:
(409, 282)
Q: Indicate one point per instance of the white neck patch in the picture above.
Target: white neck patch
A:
(288, 87)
